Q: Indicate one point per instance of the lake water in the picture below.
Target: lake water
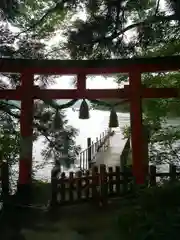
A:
(92, 128)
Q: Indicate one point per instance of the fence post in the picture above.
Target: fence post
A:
(106, 139)
(71, 186)
(83, 160)
(92, 149)
(109, 135)
(152, 171)
(125, 179)
(63, 187)
(89, 152)
(146, 136)
(5, 180)
(110, 179)
(87, 184)
(97, 142)
(100, 140)
(54, 174)
(103, 185)
(80, 160)
(103, 135)
(118, 180)
(79, 185)
(172, 170)
(95, 176)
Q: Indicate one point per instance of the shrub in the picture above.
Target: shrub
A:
(156, 214)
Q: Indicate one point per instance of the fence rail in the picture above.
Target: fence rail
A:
(88, 155)
(100, 184)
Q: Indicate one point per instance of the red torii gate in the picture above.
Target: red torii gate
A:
(27, 91)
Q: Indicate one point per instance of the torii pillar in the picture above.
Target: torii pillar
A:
(135, 92)
(26, 131)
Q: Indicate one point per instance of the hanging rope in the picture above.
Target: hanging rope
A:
(57, 106)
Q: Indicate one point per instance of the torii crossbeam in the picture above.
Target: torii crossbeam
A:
(27, 92)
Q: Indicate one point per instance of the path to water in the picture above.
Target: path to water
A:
(92, 128)
(111, 157)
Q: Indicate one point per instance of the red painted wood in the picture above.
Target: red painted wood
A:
(76, 94)
(136, 127)
(26, 93)
(108, 93)
(81, 83)
(168, 63)
(90, 93)
(26, 123)
(11, 94)
(105, 70)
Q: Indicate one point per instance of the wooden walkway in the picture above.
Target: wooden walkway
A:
(111, 157)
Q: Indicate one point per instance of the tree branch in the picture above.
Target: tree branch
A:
(151, 20)
(40, 128)
(40, 21)
(157, 7)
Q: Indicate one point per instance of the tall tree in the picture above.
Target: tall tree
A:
(25, 41)
(122, 29)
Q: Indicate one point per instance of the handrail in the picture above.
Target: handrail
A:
(125, 154)
(88, 155)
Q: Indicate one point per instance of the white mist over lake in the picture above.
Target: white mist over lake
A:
(92, 127)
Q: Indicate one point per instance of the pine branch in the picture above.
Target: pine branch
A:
(43, 130)
(41, 20)
(148, 21)
(157, 8)
(40, 128)
(7, 104)
(8, 111)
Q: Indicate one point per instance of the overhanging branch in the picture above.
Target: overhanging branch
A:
(40, 128)
(148, 21)
(157, 7)
(41, 20)
(43, 130)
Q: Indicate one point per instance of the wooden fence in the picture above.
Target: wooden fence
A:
(100, 184)
(88, 156)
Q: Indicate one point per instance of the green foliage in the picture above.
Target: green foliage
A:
(136, 28)
(164, 145)
(36, 20)
(155, 215)
(42, 19)
(122, 29)
(61, 142)
(103, 34)
(10, 9)
(9, 140)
